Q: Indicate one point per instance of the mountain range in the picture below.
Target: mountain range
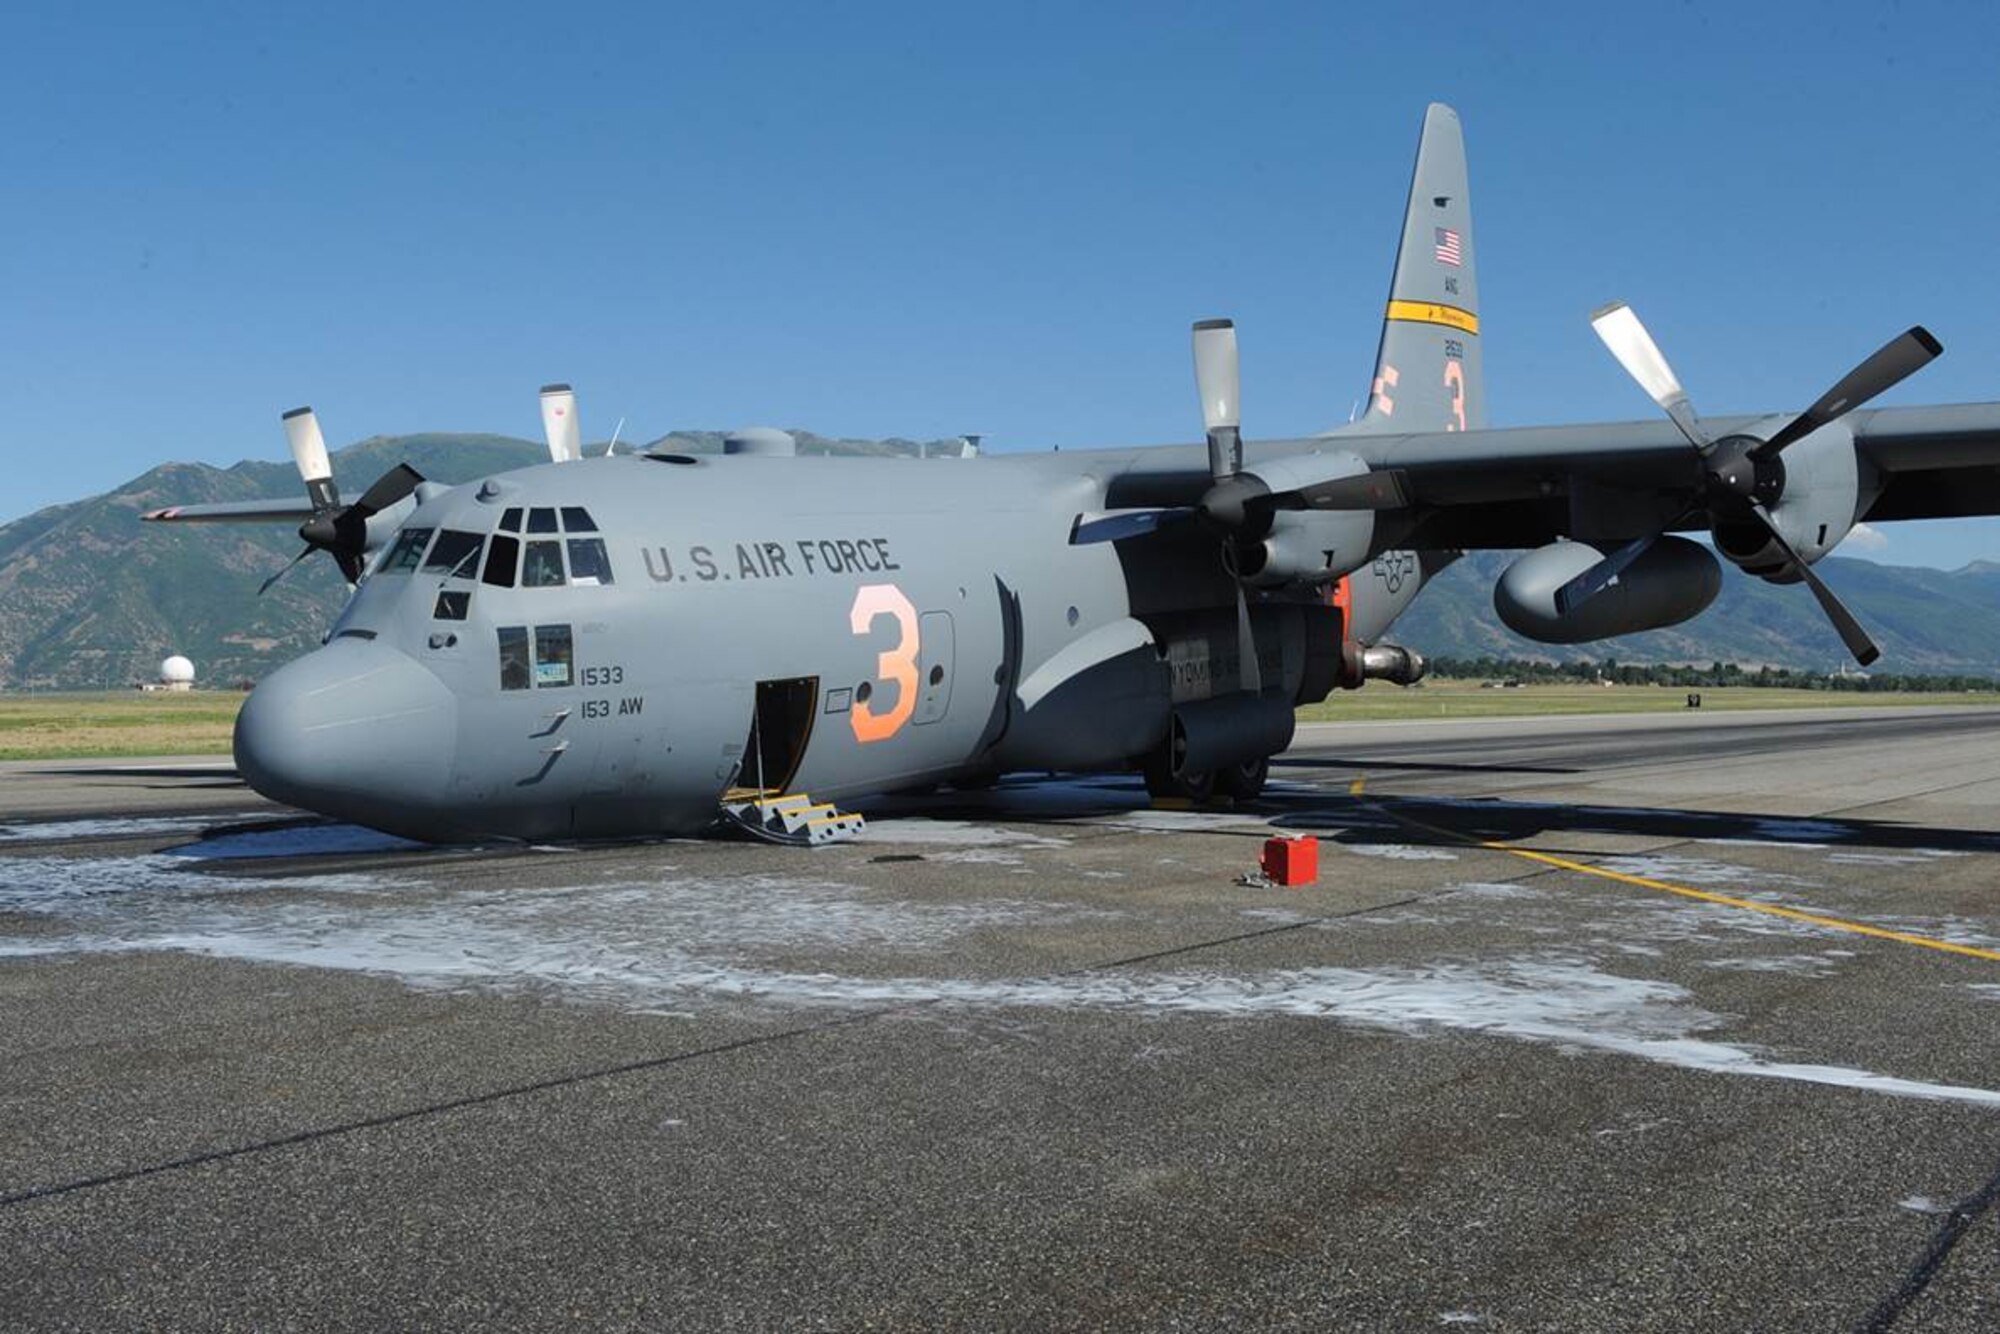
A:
(92, 598)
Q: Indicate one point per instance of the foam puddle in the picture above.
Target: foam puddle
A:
(671, 945)
(51, 831)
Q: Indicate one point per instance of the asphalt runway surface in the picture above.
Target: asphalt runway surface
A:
(1620, 1023)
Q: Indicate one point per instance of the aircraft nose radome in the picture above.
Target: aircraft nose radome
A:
(355, 730)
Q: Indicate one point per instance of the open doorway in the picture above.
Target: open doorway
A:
(778, 732)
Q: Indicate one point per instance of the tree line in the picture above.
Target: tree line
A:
(1530, 672)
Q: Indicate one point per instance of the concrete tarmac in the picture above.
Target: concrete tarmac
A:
(1620, 1023)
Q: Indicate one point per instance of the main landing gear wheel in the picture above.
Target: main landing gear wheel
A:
(1244, 781)
(1163, 782)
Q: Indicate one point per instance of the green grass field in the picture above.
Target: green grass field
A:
(72, 726)
(128, 722)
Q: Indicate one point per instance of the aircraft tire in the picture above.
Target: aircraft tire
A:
(1161, 781)
(1244, 781)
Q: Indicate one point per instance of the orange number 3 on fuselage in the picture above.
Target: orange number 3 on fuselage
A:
(893, 666)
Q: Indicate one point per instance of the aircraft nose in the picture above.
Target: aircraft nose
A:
(355, 730)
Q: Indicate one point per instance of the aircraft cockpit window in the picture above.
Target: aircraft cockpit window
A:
(408, 551)
(555, 655)
(514, 673)
(510, 520)
(576, 519)
(456, 554)
(501, 560)
(544, 567)
(541, 521)
(588, 563)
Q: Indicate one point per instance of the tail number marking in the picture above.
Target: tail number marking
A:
(895, 666)
(1454, 380)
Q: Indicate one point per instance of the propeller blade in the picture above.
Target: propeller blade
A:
(283, 570)
(1119, 525)
(559, 424)
(302, 433)
(1619, 329)
(1599, 576)
(1857, 640)
(1217, 379)
(1249, 675)
(1895, 361)
(386, 490)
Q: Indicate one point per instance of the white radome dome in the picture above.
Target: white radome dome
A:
(177, 670)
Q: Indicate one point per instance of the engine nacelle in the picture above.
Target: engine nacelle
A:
(1818, 487)
(1305, 546)
(1674, 580)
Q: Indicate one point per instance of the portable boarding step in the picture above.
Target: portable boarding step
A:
(793, 819)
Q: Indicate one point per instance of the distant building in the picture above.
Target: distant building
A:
(176, 673)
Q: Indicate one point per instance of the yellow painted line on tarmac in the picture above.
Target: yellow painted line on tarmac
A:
(1359, 787)
(1749, 905)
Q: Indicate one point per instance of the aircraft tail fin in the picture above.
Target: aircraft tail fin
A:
(1427, 372)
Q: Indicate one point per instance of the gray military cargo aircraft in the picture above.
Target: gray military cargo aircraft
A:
(655, 643)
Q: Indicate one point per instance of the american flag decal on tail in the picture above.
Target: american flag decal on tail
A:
(1449, 250)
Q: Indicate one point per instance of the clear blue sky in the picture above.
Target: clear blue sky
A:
(926, 219)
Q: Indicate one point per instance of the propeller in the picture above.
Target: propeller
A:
(1237, 501)
(559, 424)
(1218, 379)
(340, 530)
(1741, 474)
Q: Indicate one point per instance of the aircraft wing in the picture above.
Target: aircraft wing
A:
(234, 511)
(1938, 462)
(1523, 487)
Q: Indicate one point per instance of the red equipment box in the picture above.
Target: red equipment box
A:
(1291, 861)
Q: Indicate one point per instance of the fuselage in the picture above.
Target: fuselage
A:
(601, 649)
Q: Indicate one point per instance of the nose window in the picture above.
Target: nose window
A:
(544, 567)
(587, 562)
(454, 554)
(408, 551)
(501, 559)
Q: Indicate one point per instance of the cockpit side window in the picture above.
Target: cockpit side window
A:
(576, 519)
(555, 655)
(408, 551)
(588, 564)
(514, 673)
(541, 521)
(455, 554)
(510, 520)
(543, 567)
(501, 559)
